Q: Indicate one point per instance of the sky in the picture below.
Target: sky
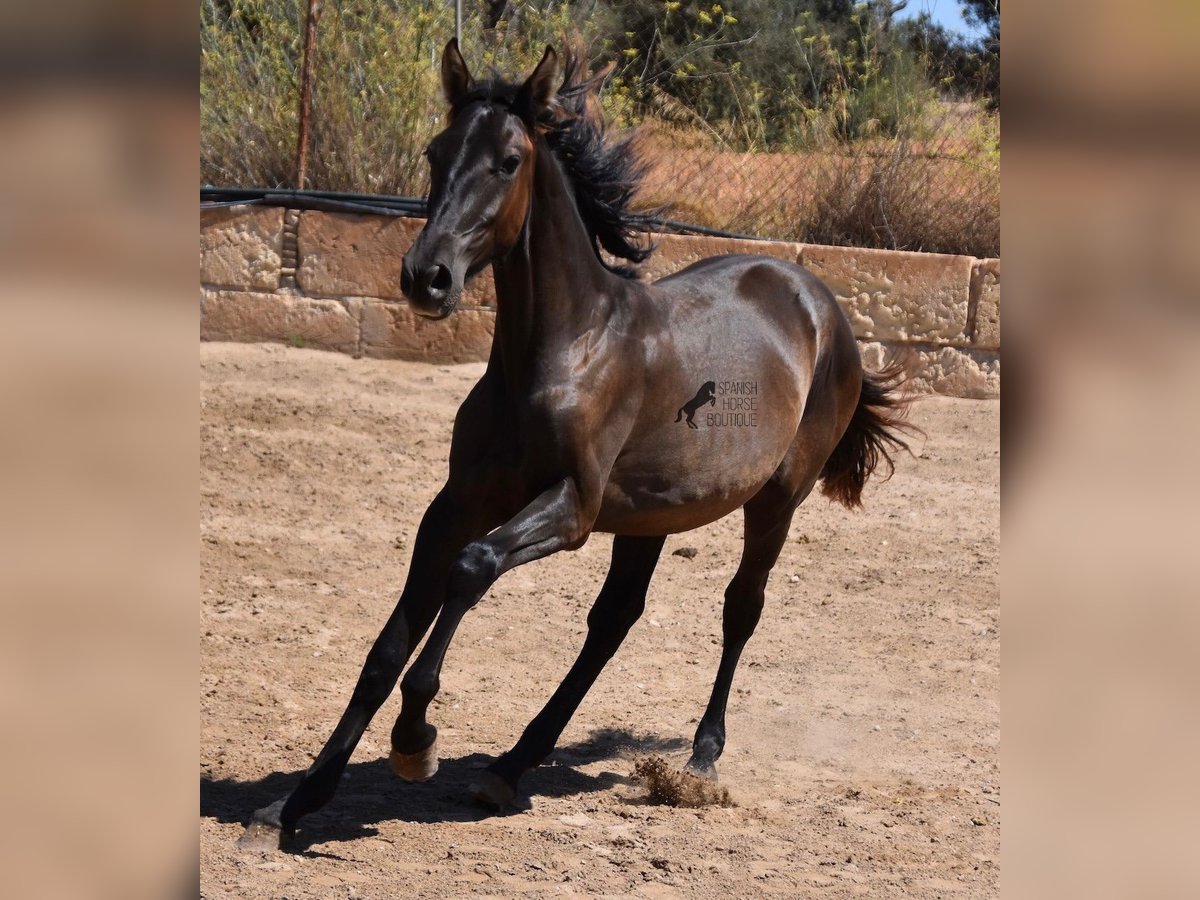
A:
(946, 13)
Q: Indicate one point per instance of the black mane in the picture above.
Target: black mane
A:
(604, 175)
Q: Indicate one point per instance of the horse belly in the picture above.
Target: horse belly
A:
(729, 384)
(680, 478)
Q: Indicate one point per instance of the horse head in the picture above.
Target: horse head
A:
(481, 177)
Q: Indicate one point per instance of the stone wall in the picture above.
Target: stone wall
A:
(332, 281)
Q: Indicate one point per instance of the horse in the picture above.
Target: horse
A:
(569, 431)
(706, 394)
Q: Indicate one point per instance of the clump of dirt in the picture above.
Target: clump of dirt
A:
(673, 787)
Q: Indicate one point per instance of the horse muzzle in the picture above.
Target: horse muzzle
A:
(432, 289)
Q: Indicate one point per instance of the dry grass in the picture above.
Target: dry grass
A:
(939, 194)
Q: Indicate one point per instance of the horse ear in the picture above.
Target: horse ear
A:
(456, 80)
(540, 87)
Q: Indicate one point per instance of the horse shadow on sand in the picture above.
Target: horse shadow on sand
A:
(370, 793)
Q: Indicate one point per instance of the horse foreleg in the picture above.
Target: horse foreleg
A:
(552, 522)
(447, 526)
(617, 608)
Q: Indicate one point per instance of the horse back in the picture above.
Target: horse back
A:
(737, 293)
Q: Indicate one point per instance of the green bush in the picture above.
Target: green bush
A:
(773, 76)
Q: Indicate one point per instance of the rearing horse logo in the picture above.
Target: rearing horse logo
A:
(706, 394)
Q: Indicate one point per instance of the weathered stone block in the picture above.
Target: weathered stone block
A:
(394, 331)
(342, 254)
(480, 292)
(352, 255)
(301, 321)
(240, 247)
(678, 251)
(953, 371)
(896, 295)
(985, 297)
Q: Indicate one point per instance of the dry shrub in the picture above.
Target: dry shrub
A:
(938, 193)
(673, 787)
(903, 200)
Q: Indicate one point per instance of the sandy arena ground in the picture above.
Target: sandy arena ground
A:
(863, 730)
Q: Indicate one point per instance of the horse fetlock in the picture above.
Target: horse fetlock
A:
(708, 744)
(419, 687)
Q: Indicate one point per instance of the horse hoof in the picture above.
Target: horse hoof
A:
(264, 833)
(419, 766)
(707, 771)
(492, 790)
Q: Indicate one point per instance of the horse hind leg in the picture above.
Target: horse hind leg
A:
(768, 515)
(618, 606)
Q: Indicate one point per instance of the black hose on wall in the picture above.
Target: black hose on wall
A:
(384, 205)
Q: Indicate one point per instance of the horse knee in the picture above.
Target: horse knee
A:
(472, 573)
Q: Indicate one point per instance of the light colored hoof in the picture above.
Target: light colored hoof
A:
(419, 766)
(264, 833)
(492, 790)
(259, 836)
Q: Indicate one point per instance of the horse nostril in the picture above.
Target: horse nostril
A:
(441, 280)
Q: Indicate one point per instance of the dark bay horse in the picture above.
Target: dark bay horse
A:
(572, 427)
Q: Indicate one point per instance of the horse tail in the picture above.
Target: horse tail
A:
(874, 429)
(679, 415)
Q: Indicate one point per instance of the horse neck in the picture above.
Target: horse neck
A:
(550, 287)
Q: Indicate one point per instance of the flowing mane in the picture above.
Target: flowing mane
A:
(604, 174)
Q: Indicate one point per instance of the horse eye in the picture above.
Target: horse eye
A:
(510, 164)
